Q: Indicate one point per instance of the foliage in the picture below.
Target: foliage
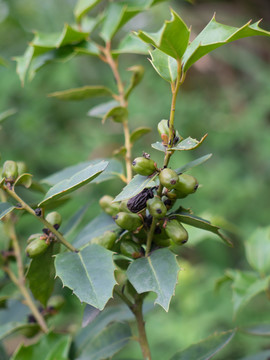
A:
(148, 263)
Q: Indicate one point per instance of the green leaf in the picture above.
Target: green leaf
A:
(158, 273)
(186, 144)
(84, 92)
(87, 48)
(258, 249)
(203, 224)
(15, 327)
(114, 168)
(49, 347)
(73, 183)
(41, 274)
(43, 42)
(81, 273)
(23, 63)
(136, 185)
(130, 44)
(118, 114)
(138, 133)
(6, 114)
(101, 110)
(3, 62)
(246, 285)
(96, 227)
(215, 35)
(5, 208)
(138, 72)
(165, 65)
(193, 163)
(24, 180)
(83, 6)
(107, 343)
(172, 38)
(205, 349)
(114, 15)
(74, 221)
(263, 355)
(89, 315)
(257, 330)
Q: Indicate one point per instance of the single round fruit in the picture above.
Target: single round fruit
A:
(107, 205)
(156, 207)
(128, 221)
(34, 237)
(106, 240)
(36, 248)
(168, 178)
(176, 232)
(130, 249)
(54, 218)
(186, 185)
(10, 170)
(144, 166)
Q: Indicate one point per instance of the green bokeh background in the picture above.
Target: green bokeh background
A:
(225, 95)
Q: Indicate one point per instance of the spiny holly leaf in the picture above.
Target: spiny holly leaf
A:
(130, 44)
(41, 274)
(84, 92)
(114, 15)
(96, 227)
(50, 347)
(81, 273)
(138, 133)
(257, 250)
(107, 343)
(186, 144)
(5, 208)
(73, 183)
(203, 224)
(23, 63)
(136, 185)
(158, 273)
(83, 6)
(205, 349)
(172, 38)
(215, 35)
(165, 65)
(87, 48)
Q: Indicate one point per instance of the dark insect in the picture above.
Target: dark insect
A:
(138, 202)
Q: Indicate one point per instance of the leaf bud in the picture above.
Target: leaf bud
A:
(10, 170)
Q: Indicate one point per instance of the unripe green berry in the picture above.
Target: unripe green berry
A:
(168, 178)
(10, 170)
(33, 237)
(130, 249)
(144, 166)
(54, 218)
(156, 207)
(128, 221)
(176, 232)
(107, 205)
(106, 240)
(186, 184)
(36, 248)
(56, 302)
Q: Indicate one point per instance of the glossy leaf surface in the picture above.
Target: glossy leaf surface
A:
(138, 133)
(83, 6)
(165, 65)
(205, 349)
(158, 273)
(82, 93)
(81, 273)
(71, 184)
(5, 208)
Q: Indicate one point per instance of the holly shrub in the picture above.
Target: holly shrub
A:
(130, 249)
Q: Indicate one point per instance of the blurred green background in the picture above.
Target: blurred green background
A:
(225, 95)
